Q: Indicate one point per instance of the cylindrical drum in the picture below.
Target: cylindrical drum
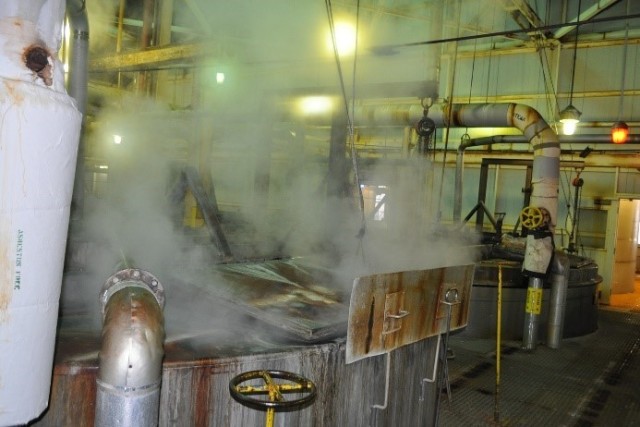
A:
(39, 131)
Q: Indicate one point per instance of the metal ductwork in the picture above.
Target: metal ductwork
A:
(77, 84)
(544, 198)
(130, 371)
(39, 134)
(560, 268)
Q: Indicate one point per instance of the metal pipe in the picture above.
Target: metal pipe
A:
(569, 139)
(544, 195)
(496, 407)
(130, 371)
(77, 83)
(546, 163)
(457, 192)
(559, 286)
(532, 310)
(120, 26)
(79, 52)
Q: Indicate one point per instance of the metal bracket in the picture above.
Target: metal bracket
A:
(434, 373)
(451, 298)
(386, 387)
(393, 303)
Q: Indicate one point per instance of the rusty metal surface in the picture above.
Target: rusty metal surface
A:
(391, 310)
(195, 392)
(289, 296)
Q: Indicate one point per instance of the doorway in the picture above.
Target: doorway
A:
(625, 283)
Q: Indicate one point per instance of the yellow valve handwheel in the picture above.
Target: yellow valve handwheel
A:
(531, 217)
(248, 395)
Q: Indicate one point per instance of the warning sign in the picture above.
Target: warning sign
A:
(534, 301)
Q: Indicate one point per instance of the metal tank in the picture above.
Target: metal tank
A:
(383, 379)
(581, 306)
(195, 390)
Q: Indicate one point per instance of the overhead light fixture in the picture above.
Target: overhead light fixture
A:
(620, 130)
(619, 133)
(569, 117)
(117, 139)
(345, 38)
(220, 78)
(314, 105)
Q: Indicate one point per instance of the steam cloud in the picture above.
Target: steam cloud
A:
(265, 168)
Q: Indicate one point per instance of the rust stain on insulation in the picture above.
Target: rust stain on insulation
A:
(13, 92)
(36, 58)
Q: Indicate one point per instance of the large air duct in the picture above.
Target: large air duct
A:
(545, 142)
(560, 269)
(130, 372)
(544, 196)
(39, 131)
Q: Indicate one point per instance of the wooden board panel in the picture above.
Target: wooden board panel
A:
(388, 311)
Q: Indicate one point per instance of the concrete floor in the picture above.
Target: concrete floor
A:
(630, 301)
(592, 380)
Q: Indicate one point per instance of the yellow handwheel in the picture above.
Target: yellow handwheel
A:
(531, 217)
(270, 397)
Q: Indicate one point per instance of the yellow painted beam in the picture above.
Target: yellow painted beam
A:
(152, 57)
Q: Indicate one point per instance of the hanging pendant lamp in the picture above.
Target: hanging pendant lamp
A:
(570, 116)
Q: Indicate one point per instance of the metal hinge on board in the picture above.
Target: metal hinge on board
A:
(393, 312)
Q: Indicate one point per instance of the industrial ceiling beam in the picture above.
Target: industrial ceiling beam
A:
(588, 41)
(152, 57)
(586, 15)
(395, 12)
(524, 15)
(530, 96)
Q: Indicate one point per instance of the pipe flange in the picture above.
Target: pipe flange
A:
(131, 277)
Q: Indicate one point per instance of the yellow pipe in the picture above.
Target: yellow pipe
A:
(496, 411)
(274, 395)
(271, 415)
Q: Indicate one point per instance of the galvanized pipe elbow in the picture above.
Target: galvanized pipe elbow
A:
(130, 371)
